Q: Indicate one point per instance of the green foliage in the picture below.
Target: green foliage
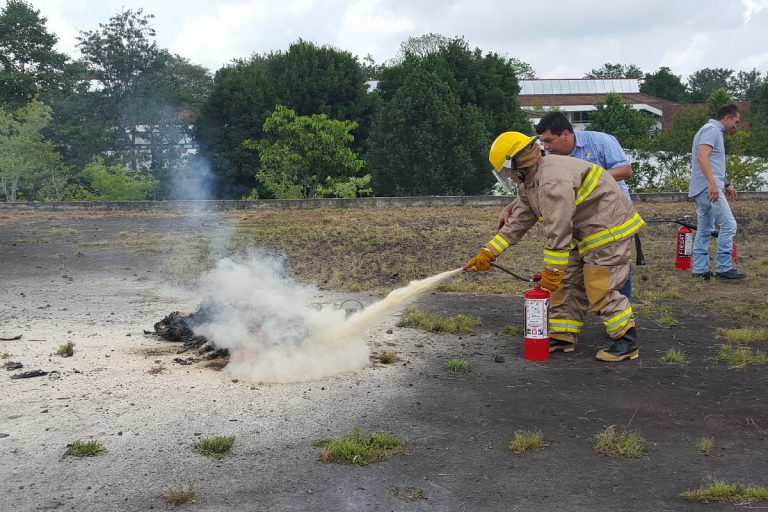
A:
(724, 492)
(351, 187)
(216, 446)
(745, 84)
(704, 82)
(745, 172)
(620, 120)
(525, 440)
(308, 79)
(114, 183)
(612, 443)
(459, 324)
(29, 66)
(718, 98)
(609, 70)
(664, 84)
(25, 157)
(84, 449)
(300, 153)
(359, 449)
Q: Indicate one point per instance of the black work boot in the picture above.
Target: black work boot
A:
(621, 349)
(561, 345)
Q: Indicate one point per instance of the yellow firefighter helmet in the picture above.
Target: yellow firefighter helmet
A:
(506, 146)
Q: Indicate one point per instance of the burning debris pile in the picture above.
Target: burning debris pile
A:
(179, 327)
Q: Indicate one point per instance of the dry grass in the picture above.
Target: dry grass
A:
(180, 496)
(525, 440)
(724, 492)
(625, 445)
(705, 445)
(459, 324)
(215, 447)
(360, 449)
(66, 350)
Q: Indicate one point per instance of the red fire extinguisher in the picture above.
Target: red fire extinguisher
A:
(684, 248)
(536, 342)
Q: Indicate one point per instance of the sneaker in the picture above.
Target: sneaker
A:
(703, 275)
(731, 275)
(561, 345)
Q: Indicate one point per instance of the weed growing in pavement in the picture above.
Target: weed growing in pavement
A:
(740, 356)
(745, 335)
(459, 324)
(456, 365)
(215, 447)
(705, 445)
(388, 356)
(79, 254)
(673, 356)
(66, 350)
(409, 494)
(510, 330)
(180, 496)
(84, 448)
(723, 492)
(526, 440)
(667, 321)
(157, 370)
(625, 445)
(360, 449)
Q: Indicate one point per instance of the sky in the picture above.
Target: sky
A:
(559, 39)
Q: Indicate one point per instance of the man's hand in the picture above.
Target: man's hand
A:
(551, 279)
(482, 261)
(714, 193)
(730, 193)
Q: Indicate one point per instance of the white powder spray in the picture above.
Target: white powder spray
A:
(273, 331)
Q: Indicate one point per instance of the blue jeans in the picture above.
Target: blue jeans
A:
(708, 214)
(626, 290)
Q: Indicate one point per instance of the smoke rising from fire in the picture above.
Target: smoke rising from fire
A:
(268, 322)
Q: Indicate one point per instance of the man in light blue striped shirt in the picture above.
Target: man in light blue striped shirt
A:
(558, 137)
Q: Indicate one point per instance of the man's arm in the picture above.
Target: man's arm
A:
(621, 172)
(702, 156)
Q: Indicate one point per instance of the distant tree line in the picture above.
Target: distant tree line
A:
(129, 120)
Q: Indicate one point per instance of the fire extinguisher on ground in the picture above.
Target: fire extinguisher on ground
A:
(536, 341)
(684, 248)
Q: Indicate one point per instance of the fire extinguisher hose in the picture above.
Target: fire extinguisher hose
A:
(526, 279)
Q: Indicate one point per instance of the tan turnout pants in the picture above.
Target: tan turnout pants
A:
(593, 280)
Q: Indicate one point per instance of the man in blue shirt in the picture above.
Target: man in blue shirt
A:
(558, 137)
(711, 191)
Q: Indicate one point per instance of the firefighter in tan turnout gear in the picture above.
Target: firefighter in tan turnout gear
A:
(588, 227)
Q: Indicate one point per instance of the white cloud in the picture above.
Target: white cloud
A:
(752, 7)
(688, 59)
(367, 26)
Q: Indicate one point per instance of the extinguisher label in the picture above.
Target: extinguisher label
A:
(536, 318)
(685, 245)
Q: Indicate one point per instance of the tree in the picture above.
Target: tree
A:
(664, 84)
(609, 70)
(307, 79)
(24, 154)
(716, 100)
(744, 86)
(29, 65)
(420, 47)
(705, 81)
(424, 142)
(620, 120)
(523, 70)
(114, 183)
(300, 153)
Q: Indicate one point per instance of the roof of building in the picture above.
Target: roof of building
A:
(578, 86)
(545, 100)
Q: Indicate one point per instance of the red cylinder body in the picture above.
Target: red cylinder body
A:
(733, 254)
(536, 342)
(684, 248)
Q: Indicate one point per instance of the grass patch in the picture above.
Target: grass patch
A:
(417, 318)
(723, 492)
(388, 356)
(456, 365)
(180, 496)
(526, 440)
(215, 447)
(745, 335)
(84, 448)
(409, 494)
(66, 350)
(705, 445)
(625, 445)
(360, 449)
(667, 321)
(738, 356)
(510, 330)
(673, 356)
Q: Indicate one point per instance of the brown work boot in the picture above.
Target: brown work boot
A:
(621, 349)
(556, 345)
